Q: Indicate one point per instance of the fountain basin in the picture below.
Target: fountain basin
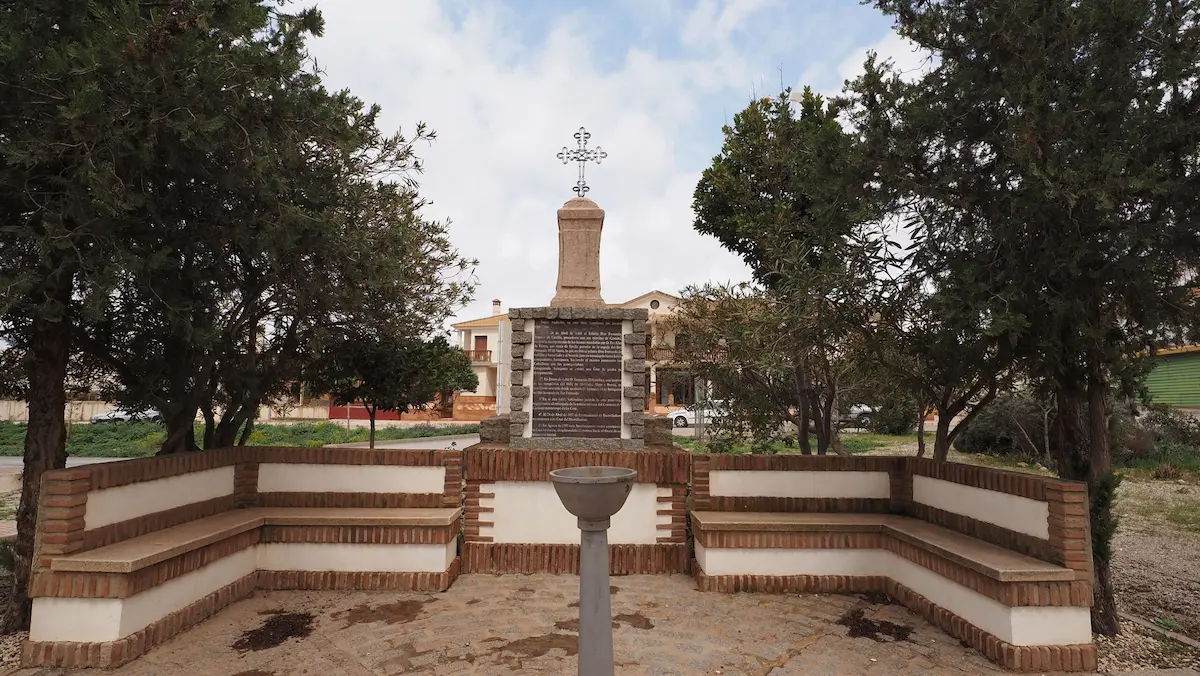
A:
(593, 493)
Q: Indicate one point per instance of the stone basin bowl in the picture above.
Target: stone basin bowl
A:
(593, 493)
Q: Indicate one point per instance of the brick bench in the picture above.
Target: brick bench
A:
(996, 559)
(132, 553)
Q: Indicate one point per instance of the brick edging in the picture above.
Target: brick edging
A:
(116, 653)
(1018, 658)
(522, 558)
(322, 580)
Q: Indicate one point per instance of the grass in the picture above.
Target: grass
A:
(853, 443)
(140, 439)
(1183, 514)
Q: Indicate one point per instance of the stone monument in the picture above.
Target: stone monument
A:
(578, 367)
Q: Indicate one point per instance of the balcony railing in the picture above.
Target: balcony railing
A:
(661, 353)
(480, 356)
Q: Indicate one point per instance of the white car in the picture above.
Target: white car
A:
(858, 416)
(686, 417)
(122, 415)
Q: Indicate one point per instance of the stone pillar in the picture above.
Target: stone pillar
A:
(580, 221)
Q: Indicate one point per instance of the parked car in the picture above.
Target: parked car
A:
(686, 417)
(858, 415)
(124, 415)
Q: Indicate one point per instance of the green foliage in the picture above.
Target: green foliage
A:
(1161, 438)
(386, 373)
(1012, 425)
(6, 556)
(895, 415)
(1103, 518)
(787, 194)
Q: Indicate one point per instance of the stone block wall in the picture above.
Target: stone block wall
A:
(634, 378)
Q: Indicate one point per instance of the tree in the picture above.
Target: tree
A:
(788, 194)
(387, 373)
(936, 351)
(1049, 160)
(762, 361)
(184, 205)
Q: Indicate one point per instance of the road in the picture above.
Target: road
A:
(17, 462)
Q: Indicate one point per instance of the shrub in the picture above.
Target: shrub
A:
(894, 417)
(1001, 428)
(1160, 437)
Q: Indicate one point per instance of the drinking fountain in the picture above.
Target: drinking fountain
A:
(593, 495)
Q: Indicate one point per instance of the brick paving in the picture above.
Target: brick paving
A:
(524, 624)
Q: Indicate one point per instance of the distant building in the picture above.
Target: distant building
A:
(487, 341)
(1175, 380)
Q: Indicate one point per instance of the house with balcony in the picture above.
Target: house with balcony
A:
(488, 339)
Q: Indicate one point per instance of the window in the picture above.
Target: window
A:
(654, 305)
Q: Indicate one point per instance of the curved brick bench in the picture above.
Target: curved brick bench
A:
(132, 553)
(996, 559)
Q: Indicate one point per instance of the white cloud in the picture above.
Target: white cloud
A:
(502, 111)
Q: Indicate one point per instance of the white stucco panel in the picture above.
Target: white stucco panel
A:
(530, 512)
(368, 558)
(98, 620)
(765, 483)
(293, 478)
(113, 505)
(1007, 511)
(1049, 625)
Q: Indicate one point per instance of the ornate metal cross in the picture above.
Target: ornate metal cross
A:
(581, 155)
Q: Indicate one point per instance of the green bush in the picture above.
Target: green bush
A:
(997, 429)
(894, 418)
(1160, 436)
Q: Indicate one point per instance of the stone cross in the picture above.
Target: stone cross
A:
(582, 155)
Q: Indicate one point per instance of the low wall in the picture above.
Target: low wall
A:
(515, 522)
(834, 524)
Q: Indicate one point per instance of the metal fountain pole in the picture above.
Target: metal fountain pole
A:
(595, 600)
(593, 495)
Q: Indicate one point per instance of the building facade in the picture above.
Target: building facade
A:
(487, 340)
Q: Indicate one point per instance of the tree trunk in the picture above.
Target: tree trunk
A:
(921, 432)
(941, 438)
(245, 436)
(802, 430)
(1077, 455)
(371, 434)
(819, 425)
(45, 449)
(181, 431)
(1104, 603)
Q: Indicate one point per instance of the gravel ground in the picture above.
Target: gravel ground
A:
(1137, 648)
(1156, 566)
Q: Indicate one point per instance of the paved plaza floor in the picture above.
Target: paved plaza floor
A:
(526, 624)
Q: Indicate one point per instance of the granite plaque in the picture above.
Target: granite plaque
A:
(576, 379)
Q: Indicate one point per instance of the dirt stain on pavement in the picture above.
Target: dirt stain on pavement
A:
(539, 646)
(877, 598)
(635, 620)
(274, 631)
(400, 612)
(861, 627)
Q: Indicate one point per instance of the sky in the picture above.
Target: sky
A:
(506, 83)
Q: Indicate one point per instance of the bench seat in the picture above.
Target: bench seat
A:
(118, 600)
(134, 554)
(1002, 565)
(994, 598)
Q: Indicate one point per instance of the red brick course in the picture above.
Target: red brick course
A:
(528, 558)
